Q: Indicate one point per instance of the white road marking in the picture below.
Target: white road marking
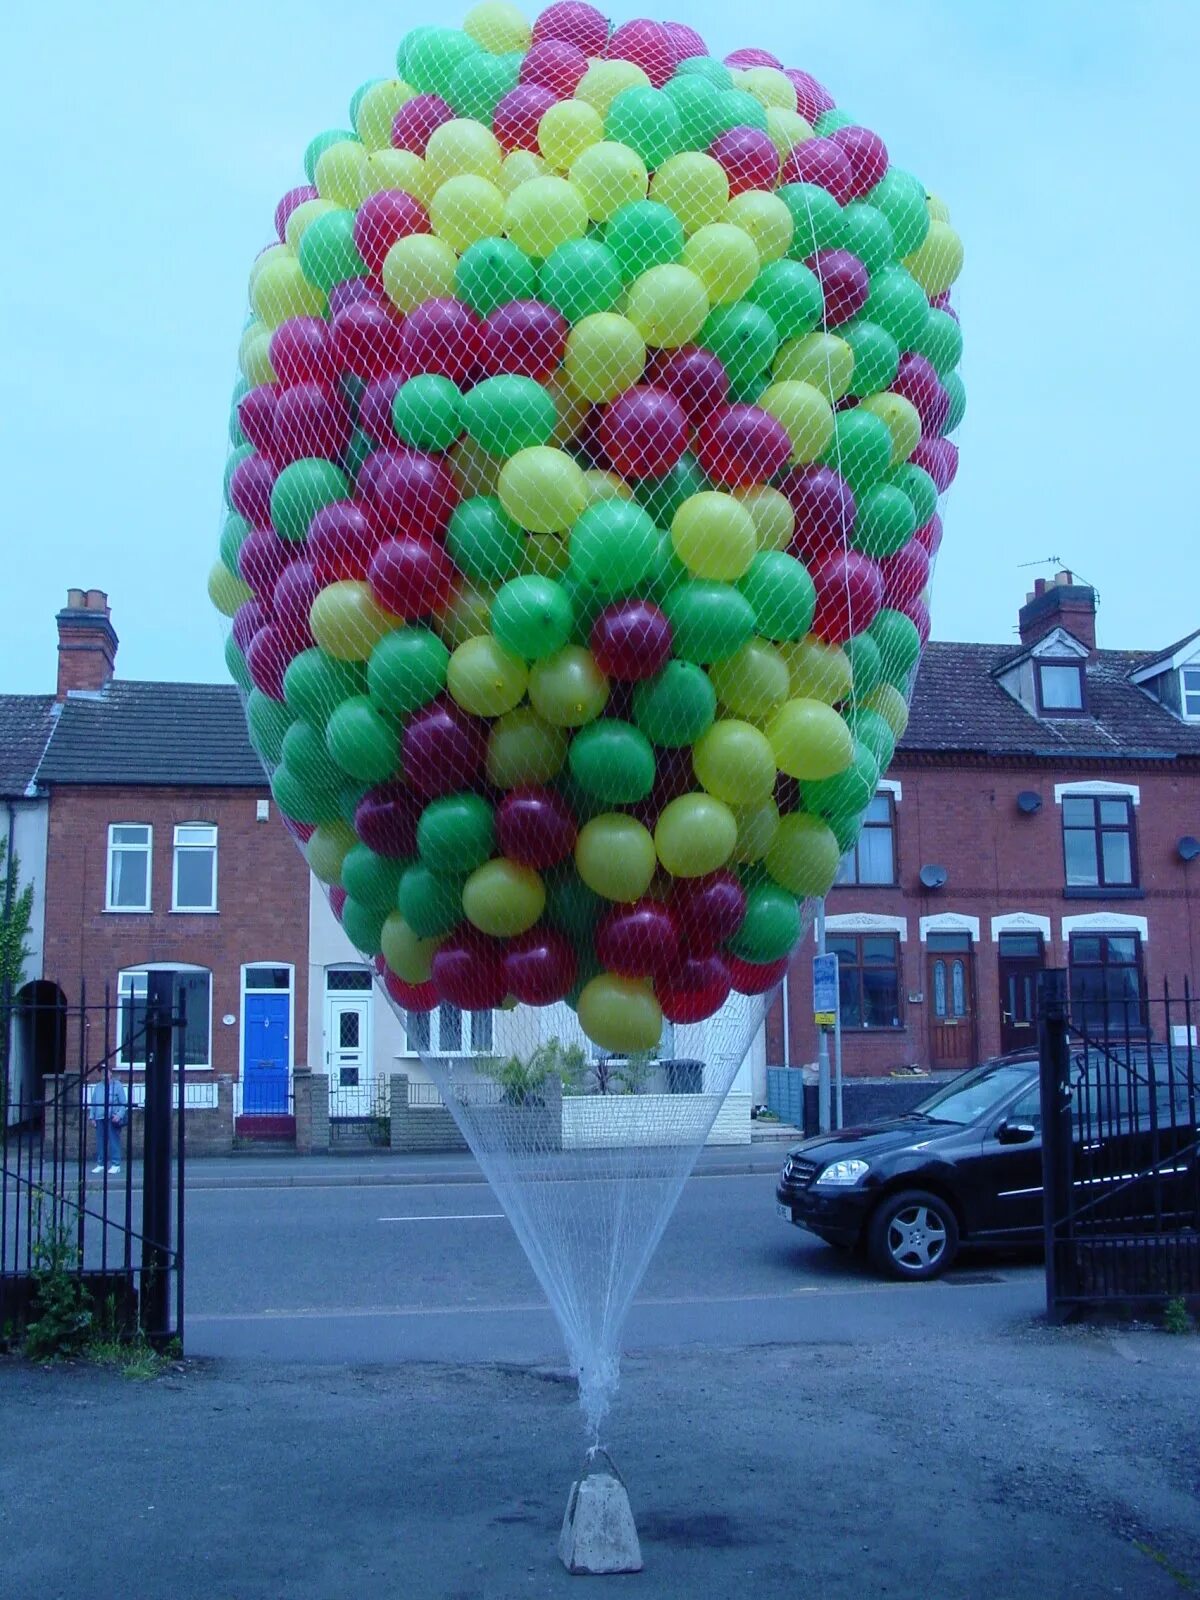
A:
(449, 1216)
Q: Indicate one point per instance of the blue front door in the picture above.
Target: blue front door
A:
(267, 1024)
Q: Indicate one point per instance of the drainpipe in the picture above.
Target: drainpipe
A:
(6, 984)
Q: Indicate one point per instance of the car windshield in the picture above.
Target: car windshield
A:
(975, 1094)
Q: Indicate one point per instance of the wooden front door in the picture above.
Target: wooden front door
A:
(950, 998)
(1021, 960)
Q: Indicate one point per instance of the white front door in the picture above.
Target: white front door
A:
(348, 1055)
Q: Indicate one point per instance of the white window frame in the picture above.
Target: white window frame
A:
(1184, 691)
(1101, 788)
(182, 846)
(115, 849)
(1021, 922)
(949, 922)
(143, 971)
(865, 922)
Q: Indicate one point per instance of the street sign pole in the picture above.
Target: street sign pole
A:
(822, 1038)
(825, 1016)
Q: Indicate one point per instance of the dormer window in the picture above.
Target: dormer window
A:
(1189, 693)
(1060, 690)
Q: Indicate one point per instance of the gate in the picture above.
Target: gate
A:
(1120, 1084)
(119, 1235)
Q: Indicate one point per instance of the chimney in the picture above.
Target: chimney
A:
(1064, 603)
(87, 644)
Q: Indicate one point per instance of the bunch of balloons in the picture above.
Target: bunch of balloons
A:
(587, 451)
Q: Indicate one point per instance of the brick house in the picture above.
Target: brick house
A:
(1042, 809)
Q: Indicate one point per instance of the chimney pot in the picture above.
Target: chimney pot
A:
(76, 600)
(1064, 603)
(87, 643)
(97, 600)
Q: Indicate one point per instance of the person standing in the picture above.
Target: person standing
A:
(108, 1108)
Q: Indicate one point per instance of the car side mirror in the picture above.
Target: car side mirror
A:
(1016, 1132)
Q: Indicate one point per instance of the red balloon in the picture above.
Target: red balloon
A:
(288, 204)
(867, 155)
(811, 97)
(740, 60)
(844, 281)
(639, 939)
(516, 117)
(695, 377)
(539, 967)
(386, 818)
(749, 158)
(643, 432)
(904, 574)
(648, 45)
(694, 989)
(262, 558)
(468, 971)
(673, 776)
(442, 336)
(250, 489)
(849, 596)
(311, 420)
(411, 577)
(755, 977)
(375, 409)
(295, 590)
(341, 541)
(411, 996)
(302, 351)
(267, 659)
(742, 445)
(917, 380)
(256, 415)
(787, 794)
(416, 119)
(822, 162)
(337, 895)
(686, 41)
(407, 491)
(825, 511)
(938, 457)
(382, 219)
(710, 910)
(918, 613)
(930, 535)
(554, 64)
(443, 749)
(524, 337)
(249, 617)
(535, 827)
(574, 23)
(302, 832)
(631, 640)
(367, 335)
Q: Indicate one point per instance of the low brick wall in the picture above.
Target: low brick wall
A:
(872, 1099)
(208, 1127)
(419, 1127)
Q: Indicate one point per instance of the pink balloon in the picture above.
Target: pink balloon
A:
(250, 489)
(302, 351)
(311, 419)
(631, 640)
(648, 45)
(749, 158)
(639, 939)
(442, 336)
(407, 491)
(416, 120)
(686, 41)
(905, 574)
(375, 409)
(740, 60)
(288, 204)
(524, 337)
(822, 162)
(825, 511)
(267, 659)
(933, 455)
(574, 23)
(742, 445)
(849, 596)
(411, 577)
(367, 337)
(917, 380)
(710, 910)
(643, 432)
(468, 971)
(256, 415)
(673, 775)
(386, 818)
(382, 219)
(844, 281)
(554, 64)
(539, 966)
(695, 377)
(515, 119)
(930, 535)
(867, 155)
(341, 542)
(918, 613)
(262, 558)
(249, 617)
(295, 590)
(811, 97)
(443, 749)
(535, 827)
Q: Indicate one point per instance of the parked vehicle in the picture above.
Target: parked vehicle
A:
(965, 1167)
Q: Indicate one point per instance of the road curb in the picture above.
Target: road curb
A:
(391, 1180)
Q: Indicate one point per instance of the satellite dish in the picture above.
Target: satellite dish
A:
(933, 877)
(1029, 801)
(1188, 847)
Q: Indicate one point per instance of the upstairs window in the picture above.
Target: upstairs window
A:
(195, 878)
(1060, 688)
(129, 866)
(872, 858)
(1098, 842)
(1189, 693)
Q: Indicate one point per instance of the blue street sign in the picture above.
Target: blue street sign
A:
(825, 991)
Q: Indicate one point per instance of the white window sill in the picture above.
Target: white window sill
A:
(140, 1066)
(127, 911)
(194, 911)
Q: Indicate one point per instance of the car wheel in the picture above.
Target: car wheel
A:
(913, 1235)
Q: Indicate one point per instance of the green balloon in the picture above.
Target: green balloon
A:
(848, 793)
(509, 413)
(872, 730)
(235, 664)
(427, 412)
(707, 67)
(300, 491)
(781, 593)
(846, 829)
(771, 926)
(648, 122)
(315, 684)
(662, 497)
(953, 386)
(363, 743)
(669, 572)
(897, 303)
(318, 145)
(642, 235)
(429, 902)
(306, 754)
(233, 536)
(865, 663)
(356, 99)
(901, 198)
(885, 521)
(480, 82)
(899, 645)
(370, 879)
(357, 451)
(407, 670)
(268, 722)
(236, 436)
(484, 540)
(709, 621)
(737, 109)
(492, 272)
(363, 925)
(430, 60)
(409, 41)
(941, 342)
(918, 486)
(585, 607)
(571, 905)
(581, 278)
(830, 121)
(697, 103)
(743, 337)
(328, 254)
(239, 453)
(876, 356)
(676, 706)
(790, 295)
(612, 548)
(867, 234)
(456, 834)
(816, 219)
(746, 388)
(532, 617)
(612, 760)
(861, 449)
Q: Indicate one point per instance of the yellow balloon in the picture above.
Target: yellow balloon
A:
(769, 87)
(694, 186)
(327, 848)
(399, 169)
(475, 471)
(766, 219)
(810, 739)
(754, 683)
(468, 615)
(604, 80)
(668, 306)
(544, 213)
(805, 414)
(503, 898)
(725, 259)
(734, 762)
(713, 535)
(524, 749)
(346, 622)
(568, 689)
(466, 209)
(605, 354)
(614, 855)
(485, 678)
(302, 218)
(609, 175)
(566, 130)
(461, 147)
(937, 208)
(420, 267)
(937, 262)
(694, 835)
(891, 706)
(409, 957)
(274, 252)
(498, 27)
(518, 167)
(377, 110)
(804, 855)
(818, 671)
(821, 359)
(542, 489)
(341, 174)
(606, 486)
(254, 354)
(786, 129)
(619, 1014)
(902, 419)
(773, 518)
(226, 590)
(757, 827)
(282, 291)
(546, 555)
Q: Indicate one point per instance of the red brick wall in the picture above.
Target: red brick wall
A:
(965, 819)
(262, 899)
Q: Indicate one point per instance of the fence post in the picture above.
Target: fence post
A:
(156, 1157)
(1054, 1061)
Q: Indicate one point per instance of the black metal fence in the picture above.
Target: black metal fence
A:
(92, 1180)
(1120, 1089)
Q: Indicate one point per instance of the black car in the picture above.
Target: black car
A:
(966, 1165)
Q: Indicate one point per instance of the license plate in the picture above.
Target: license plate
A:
(784, 1211)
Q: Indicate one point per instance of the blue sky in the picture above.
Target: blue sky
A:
(148, 145)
